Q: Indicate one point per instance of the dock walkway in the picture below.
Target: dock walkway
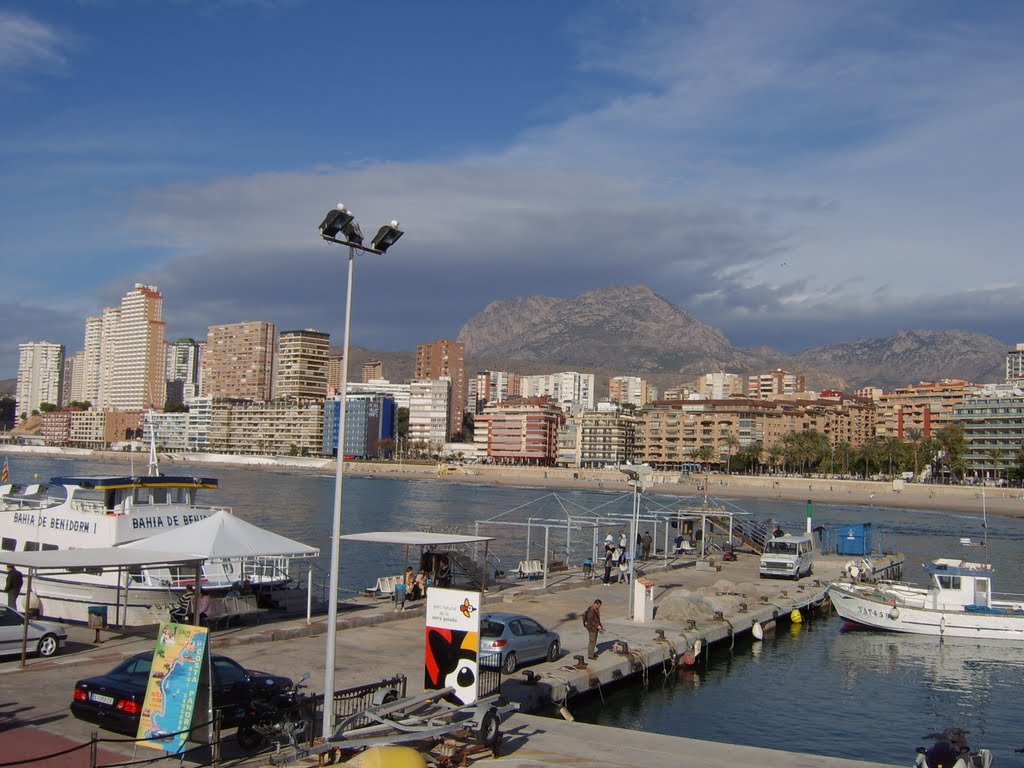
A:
(375, 642)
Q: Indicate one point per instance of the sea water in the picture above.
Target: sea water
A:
(809, 688)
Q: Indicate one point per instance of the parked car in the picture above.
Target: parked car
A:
(44, 637)
(518, 639)
(114, 700)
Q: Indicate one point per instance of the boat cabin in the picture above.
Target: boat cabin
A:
(960, 584)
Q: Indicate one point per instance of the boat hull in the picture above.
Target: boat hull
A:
(873, 608)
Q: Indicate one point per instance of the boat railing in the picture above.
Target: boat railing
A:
(1008, 597)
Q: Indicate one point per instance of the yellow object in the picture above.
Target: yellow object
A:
(796, 617)
(389, 757)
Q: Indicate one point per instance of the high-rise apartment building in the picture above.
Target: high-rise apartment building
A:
(182, 371)
(565, 388)
(40, 375)
(372, 369)
(238, 361)
(302, 364)
(125, 353)
(446, 359)
(521, 431)
(629, 390)
(494, 387)
(777, 382)
(334, 374)
(1015, 365)
(926, 407)
(429, 405)
(718, 385)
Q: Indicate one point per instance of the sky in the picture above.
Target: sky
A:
(793, 173)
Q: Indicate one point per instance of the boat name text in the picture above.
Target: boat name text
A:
(55, 523)
(165, 521)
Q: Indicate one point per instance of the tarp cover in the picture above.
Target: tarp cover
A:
(223, 535)
(414, 538)
(98, 557)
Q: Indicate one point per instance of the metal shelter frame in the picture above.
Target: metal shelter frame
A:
(101, 558)
(657, 515)
(424, 539)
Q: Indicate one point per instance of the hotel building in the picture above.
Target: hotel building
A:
(446, 359)
(40, 376)
(238, 361)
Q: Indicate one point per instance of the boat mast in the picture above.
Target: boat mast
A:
(984, 523)
(154, 466)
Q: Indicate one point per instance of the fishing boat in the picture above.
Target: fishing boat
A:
(958, 602)
(76, 512)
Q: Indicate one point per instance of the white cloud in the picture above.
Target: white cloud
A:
(28, 44)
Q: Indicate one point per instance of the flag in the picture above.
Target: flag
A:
(3, 472)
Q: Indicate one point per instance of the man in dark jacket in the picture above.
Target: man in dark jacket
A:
(592, 620)
(13, 586)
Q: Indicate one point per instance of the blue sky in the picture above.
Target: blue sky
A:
(794, 173)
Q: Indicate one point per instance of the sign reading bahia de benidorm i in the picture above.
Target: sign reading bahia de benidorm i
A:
(452, 642)
(173, 683)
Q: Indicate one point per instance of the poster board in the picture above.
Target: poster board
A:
(170, 699)
(452, 642)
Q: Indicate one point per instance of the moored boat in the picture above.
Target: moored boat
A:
(85, 512)
(958, 602)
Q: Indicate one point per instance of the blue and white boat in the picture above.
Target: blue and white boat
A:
(959, 602)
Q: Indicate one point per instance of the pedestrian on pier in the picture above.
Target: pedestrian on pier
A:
(609, 562)
(592, 621)
(646, 542)
(12, 586)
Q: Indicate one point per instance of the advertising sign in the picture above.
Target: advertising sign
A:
(171, 691)
(452, 642)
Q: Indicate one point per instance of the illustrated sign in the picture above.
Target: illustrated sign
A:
(452, 642)
(173, 682)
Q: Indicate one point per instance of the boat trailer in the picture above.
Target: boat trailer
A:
(448, 733)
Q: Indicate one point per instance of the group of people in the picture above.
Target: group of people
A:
(415, 584)
(615, 557)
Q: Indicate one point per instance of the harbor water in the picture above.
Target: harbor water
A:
(809, 688)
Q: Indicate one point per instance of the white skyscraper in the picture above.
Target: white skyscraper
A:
(40, 374)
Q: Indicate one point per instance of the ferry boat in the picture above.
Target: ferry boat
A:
(110, 511)
(959, 602)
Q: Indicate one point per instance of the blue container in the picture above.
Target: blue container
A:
(399, 593)
(854, 539)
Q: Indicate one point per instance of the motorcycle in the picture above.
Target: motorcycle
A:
(285, 718)
(950, 750)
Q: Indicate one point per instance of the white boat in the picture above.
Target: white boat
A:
(78, 512)
(959, 602)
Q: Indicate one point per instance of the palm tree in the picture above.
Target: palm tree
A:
(914, 436)
(996, 454)
(731, 443)
(705, 454)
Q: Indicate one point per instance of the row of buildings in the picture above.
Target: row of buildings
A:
(249, 389)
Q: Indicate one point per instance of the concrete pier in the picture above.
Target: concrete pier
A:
(375, 642)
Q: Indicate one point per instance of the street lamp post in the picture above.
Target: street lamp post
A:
(637, 479)
(339, 227)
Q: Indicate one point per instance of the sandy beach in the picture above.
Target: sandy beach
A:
(820, 490)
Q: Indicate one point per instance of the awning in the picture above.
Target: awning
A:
(99, 557)
(414, 538)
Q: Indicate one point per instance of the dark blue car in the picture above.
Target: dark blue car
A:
(114, 700)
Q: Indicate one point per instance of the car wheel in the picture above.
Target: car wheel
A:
(553, 651)
(48, 645)
(510, 664)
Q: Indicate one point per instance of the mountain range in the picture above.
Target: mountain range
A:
(631, 330)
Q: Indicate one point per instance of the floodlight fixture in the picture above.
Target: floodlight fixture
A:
(335, 221)
(386, 236)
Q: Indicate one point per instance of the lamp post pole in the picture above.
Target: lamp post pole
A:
(339, 473)
(636, 479)
(342, 222)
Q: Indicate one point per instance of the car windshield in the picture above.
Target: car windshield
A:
(780, 548)
(490, 628)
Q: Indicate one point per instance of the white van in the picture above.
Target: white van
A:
(788, 556)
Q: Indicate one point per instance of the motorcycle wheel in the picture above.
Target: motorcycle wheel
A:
(248, 738)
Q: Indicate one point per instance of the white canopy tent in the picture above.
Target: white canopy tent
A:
(99, 558)
(423, 539)
(223, 535)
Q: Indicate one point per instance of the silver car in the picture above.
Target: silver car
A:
(44, 637)
(517, 639)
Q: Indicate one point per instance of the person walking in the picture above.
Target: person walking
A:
(646, 542)
(624, 567)
(592, 621)
(609, 562)
(12, 586)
